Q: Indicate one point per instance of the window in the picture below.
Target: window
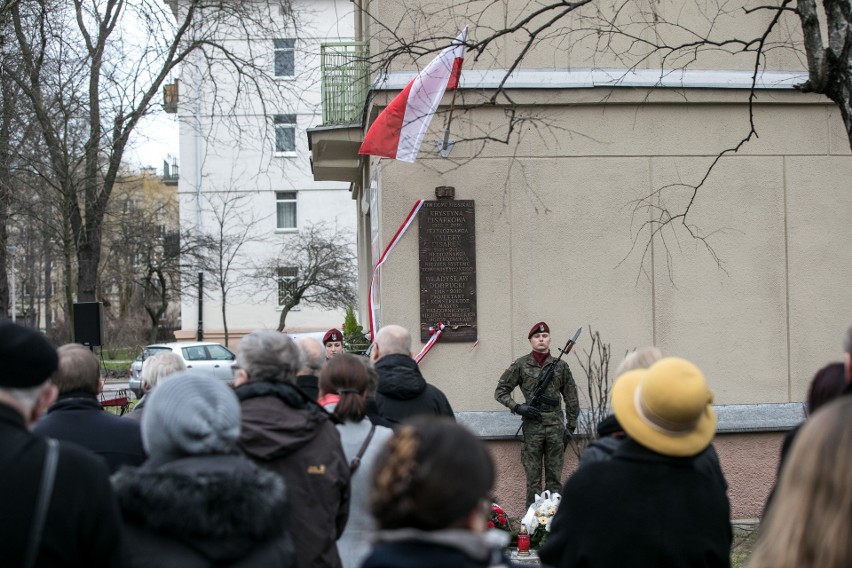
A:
(285, 207)
(287, 278)
(196, 353)
(219, 353)
(285, 133)
(285, 57)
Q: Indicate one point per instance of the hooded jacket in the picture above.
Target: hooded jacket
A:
(403, 392)
(297, 439)
(455, 548)
(218, 510)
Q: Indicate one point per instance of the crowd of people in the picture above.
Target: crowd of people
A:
(315, 457)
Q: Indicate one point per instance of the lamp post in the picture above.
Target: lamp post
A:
(12, 250)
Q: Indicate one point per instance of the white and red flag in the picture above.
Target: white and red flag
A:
(399, 130)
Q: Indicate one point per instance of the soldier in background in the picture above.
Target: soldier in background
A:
(333, 342)
(545, 432)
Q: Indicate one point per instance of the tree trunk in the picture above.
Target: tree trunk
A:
(88, 257)
(284, 311)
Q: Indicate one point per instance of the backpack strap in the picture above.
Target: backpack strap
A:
(48, 475)
(356, 461)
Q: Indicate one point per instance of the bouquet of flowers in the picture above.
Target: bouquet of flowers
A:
(539, 517)
(498, 519)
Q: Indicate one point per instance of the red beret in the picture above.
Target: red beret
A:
(332, 334)
(540, 327)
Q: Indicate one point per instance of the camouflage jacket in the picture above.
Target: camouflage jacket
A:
(524, 373)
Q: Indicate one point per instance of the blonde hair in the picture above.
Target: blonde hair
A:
(160, 366)
(641, 358)
(809, 523)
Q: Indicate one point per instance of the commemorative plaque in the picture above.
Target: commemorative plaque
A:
(448, 269)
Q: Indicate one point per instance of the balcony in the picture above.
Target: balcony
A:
(334, 144)
(345, 70)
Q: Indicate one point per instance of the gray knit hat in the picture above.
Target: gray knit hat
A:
(188, 415)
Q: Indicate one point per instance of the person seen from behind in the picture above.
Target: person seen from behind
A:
(287, 433)
(77, 415)
(431, 488)
(57, 508)
(651, 505)
(403, 391)
(154, 370)
(810, 522)
(346, 377)
(196, 501)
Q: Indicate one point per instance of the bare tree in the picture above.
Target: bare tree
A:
(81, 68)
(221, 249)
(141, 263)
(595, 366)
(315, 267)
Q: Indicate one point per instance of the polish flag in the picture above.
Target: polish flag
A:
(399, 130)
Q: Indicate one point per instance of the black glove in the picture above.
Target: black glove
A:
(528, 411)
(566, 435)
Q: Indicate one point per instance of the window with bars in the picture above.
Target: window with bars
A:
(287, 277)
(285, 210)
(285, 57)
(285, 133)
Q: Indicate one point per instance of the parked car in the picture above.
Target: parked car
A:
(204, 356)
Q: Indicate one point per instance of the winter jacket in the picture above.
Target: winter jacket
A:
(641, 509)
(403, 392)
(217, 510)
(354, 544)
(309, 385)
(78, 417)
(413, 548)
(295, 438)
(82, 528)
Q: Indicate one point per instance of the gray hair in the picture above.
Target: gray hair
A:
(641, 358)
(392, 340)
(847, 341)
(269, 356)
(25, 397)
(313, 354)
(160, 366)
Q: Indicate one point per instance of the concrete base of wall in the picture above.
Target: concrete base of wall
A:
(749, 462)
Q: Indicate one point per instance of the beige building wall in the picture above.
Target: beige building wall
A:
(759, 301)
(752, 285)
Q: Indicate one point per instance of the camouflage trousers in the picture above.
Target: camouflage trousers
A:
(542, 443)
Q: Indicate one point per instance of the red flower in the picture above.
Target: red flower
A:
(502, 519)
(490, 525)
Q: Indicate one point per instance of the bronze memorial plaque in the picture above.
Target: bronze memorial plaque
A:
(448, 269)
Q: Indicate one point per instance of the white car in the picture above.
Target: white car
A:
(202, 356)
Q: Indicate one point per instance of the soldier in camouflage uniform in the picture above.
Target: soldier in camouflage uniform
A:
(544, 430)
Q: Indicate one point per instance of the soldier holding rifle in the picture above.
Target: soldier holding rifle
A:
(543, 380)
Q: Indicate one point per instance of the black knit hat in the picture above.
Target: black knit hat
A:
(28, 359)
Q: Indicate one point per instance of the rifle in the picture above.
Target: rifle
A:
(538, 397)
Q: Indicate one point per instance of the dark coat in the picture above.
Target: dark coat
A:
(83, 527)
(403, 392)
(78, 417)
(309, 385)
(204, 511)
(298, 440)
(641, 509)
(443, 549)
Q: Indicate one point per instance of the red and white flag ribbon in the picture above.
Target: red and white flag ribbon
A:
(439, 329)
(398, 131)
(396, 238)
